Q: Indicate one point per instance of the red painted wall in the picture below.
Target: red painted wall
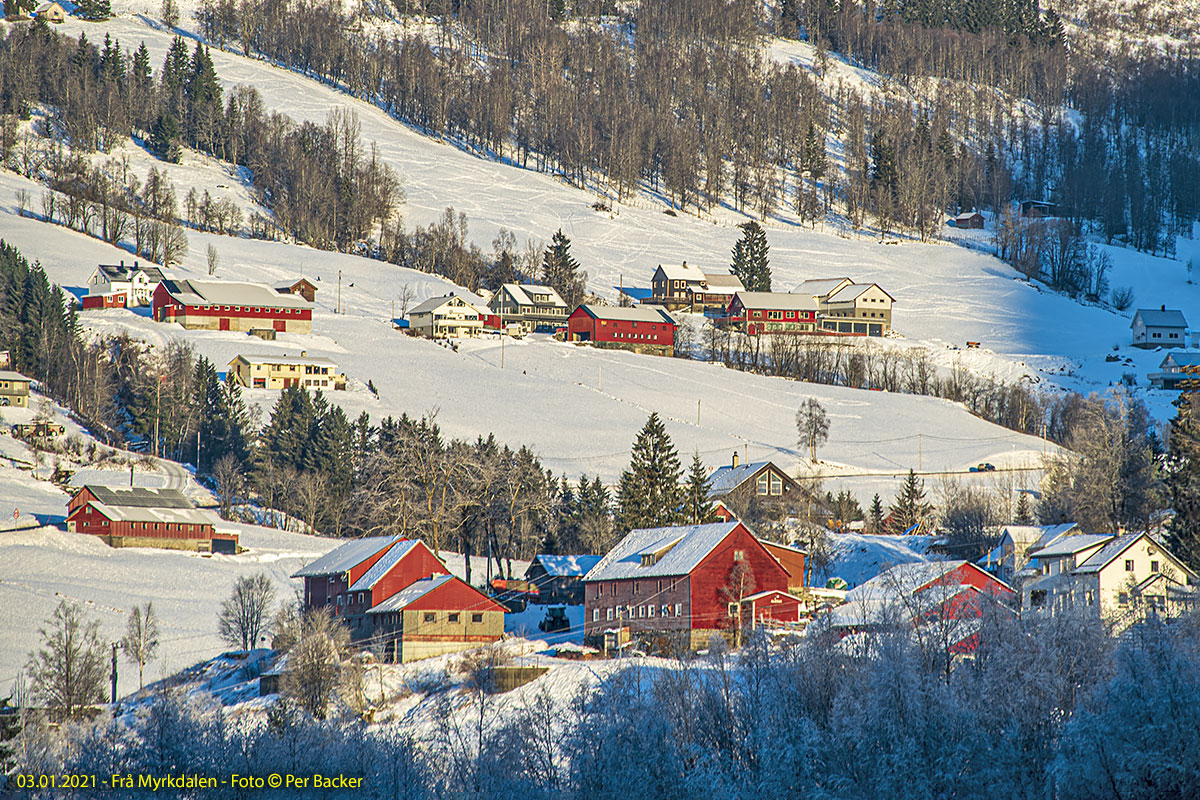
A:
(782, 607)
(710, 606)
(455, 595)
(971, 575)
(417, 563)
(89, 520)
(622, 331)
(167, 307)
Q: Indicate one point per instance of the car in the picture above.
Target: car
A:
(984, 467)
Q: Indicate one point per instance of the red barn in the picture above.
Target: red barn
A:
(756, 313)
(147, 518)
(110, 300)
(774, 606)
(229, 306)
(359, 581)
(686, 582)
(643, 329)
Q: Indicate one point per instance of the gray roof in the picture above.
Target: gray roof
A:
(139, 498)
(682, 272)
(520, 293)
(1069, 545)
(410, 594)
(9, 375)
(1187, 358)
(125, 271)
(852, 292)
(722, 281)
(1106, 554)
(1160, 318)
(777, 300)
(725, 479)
(380, 568)
(680, 549)
(566, 566)
(346, 556)
(201, 293)
(633, 314)
(1042, 535)
(174, 514)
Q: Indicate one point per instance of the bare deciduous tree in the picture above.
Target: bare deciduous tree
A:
(243, 615)
(140, 642)
(67, 671)
(314, 667)
(813, 426)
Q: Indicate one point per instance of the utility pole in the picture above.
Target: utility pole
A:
(114, 672)
(197, 450)
(339, 297)
(131, 475)
(920, 452)
(502, 349)
(157, 412)
(393, 310)
(697, 412)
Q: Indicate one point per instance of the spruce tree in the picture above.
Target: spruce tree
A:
(202, 97)
(1024, 514)
(222, 417)
(560, 271)
(750, 263)
(649, 494)
(909, 508)
(164, 141)
(1183, 480)
(699, 508)
(876, 514)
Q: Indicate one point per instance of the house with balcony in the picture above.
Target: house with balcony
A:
(257, 371)
(531, 306)
(447, 317)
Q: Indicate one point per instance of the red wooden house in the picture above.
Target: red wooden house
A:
(229, 306)
(757, 313)
(147, 518)
(686, 582)
(360, 580)
(643, 329)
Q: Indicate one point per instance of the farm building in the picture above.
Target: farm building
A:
(386, 589)
(942, 601)
(861, 309)
(678, 586)
(684, 286)
(643, 330)
(229, 306)
(969, 219)
(560, 578)
(281, 371)
(1159, 327)
(122, 285)
(14, 389)
(301, 287)
(757, 313)
(51, 12)
(147, 518)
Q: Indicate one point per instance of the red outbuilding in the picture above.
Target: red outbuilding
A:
(229, 306)
(643, 329)
(686, 582)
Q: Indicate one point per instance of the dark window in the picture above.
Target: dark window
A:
(1037, 598)
(1154, 566)
(430, 616)
(1129, 565)
(477, 618)
(453, 618)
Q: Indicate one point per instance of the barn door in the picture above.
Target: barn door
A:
(223, 324)
(281, 325)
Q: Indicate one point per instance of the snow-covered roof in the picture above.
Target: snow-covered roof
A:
(819, 287)
(185, 516)
(1026, 535)
(853, 291)
(966, 215)
(632, 314)
(348, 555)
(263, 358)
(1186, 358)
(682, 272)
(1069, 545)
(1160, 318)
(410, 594)
(903, 577)
(9, 375)
(727, 478)
(566, 566)
(380, 568)
(138, 497)
(723, 283)
(199, 293)
(434, 303)
(521, 293)
(677, 550)
(125, 271)
(777, 300)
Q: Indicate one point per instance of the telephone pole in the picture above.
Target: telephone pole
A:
(114, 672)
(339, 297)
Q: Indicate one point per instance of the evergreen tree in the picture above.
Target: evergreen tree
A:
(649, 494)
(94, 9)
(202, 100)
(174, 75)
(222, 417)
(750, 263)
(164, 141)
(699, 508)
(1183, 480)
(909, 507)
(141, 71)
(560, 270)
(876, 514)
(1023, 514)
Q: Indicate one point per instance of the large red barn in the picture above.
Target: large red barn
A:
(643, 329)
(138, 517)
(688, 581)
(369, 585)
(229, 306)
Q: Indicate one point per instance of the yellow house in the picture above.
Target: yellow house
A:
(51, 12)
(14, 389)
(280, 372)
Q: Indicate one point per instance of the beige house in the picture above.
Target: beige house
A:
(14, 389)
(854, 306)
(433, 616)
(532, 307)
(51, 12)
(448, 317)
(1121, 579)
(280, 372)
